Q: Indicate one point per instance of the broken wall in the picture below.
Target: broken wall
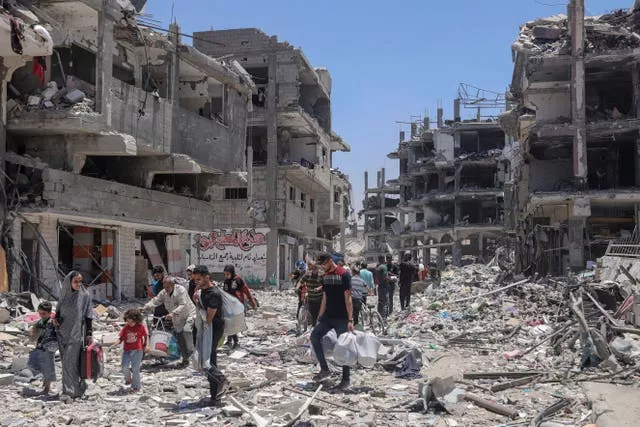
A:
(547, 175)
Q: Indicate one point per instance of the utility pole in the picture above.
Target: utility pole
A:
(578, 113)
(578, 217)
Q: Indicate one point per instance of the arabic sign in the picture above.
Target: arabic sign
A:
(245, 248)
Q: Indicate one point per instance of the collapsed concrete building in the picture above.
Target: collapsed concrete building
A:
(575, 95)
(120, 142)
(295, 192)
(450, 199)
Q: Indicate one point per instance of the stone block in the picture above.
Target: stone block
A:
(275, 374)
(545, 32)
(19, 364)
(6, 379)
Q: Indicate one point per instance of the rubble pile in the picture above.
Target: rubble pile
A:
(76, 96)
(479, 347)
(550, 36)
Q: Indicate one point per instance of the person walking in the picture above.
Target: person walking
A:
(336, 312)
(41, 359)
(367, 276)
(236, 286)
(181, 312)
(210, 327)
(74, 317)
(382, 286)
(358, 292)
(312, 280)
(155, 288)
(135, 337)
(408, 274)
(391, 283)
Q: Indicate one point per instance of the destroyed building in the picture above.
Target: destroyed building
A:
(296, 194)
(451, 198)
(575, 93)
(113, 160)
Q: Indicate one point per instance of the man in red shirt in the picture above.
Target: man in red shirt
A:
(236, 286)
(135, 338)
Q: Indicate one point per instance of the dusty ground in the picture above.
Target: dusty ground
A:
(178, 396)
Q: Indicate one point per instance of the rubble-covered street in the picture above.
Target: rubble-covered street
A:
(486, 348)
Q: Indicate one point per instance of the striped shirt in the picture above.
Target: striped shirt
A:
(358, 287)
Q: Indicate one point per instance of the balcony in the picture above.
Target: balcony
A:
(156, 125)
(78, 196)
(297, 219)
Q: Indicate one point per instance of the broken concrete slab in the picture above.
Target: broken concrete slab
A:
(6, 379)
(613, 405)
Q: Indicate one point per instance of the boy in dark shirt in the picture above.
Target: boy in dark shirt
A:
(41, 359)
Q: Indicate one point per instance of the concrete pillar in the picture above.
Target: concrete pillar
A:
(104, 62)
(441, 251)
(441, 180)
(249, 173)
(382, 178)
(125, 262)
(456, 178)
(414, 130)
(456, 110)
(173, 64)
(272, 170)
(635, 75)
(426, 123)
(456, 212)
(457, 252)
(4, 78)
(440, 118)
(48, 228)
(576, 242)
(14, 268)
(366, 182)
(481, 247)
(578, 111)
(401, 136)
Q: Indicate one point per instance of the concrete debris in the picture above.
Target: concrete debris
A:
(615, 30)
(441, 362)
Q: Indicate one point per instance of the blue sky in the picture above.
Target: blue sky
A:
(389, 60)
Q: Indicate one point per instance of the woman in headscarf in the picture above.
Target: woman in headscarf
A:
(74, 317)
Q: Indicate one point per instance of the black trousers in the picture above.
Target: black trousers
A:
(405, 295)
(382, 300)
(218, 331)
(357, 307)
(391, 289)
(314, 310)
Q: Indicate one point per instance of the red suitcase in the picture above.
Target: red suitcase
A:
(91, 362)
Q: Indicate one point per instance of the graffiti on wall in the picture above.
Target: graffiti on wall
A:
(245, 248)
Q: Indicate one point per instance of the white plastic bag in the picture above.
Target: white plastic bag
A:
(231, 306)
(329, 343)
(233, 311)
(345, 352)
(368, 345)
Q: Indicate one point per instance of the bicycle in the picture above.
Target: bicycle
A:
(370, 318)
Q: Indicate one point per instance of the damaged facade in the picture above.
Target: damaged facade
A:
(575, 95)
(450, 191)
(113, 160)
(294, 191)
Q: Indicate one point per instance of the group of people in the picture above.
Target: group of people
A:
(194, 307)
(334, 293)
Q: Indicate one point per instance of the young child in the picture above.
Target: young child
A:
(135, 337)
(41, 359)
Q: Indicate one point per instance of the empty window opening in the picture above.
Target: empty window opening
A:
(235, 193)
